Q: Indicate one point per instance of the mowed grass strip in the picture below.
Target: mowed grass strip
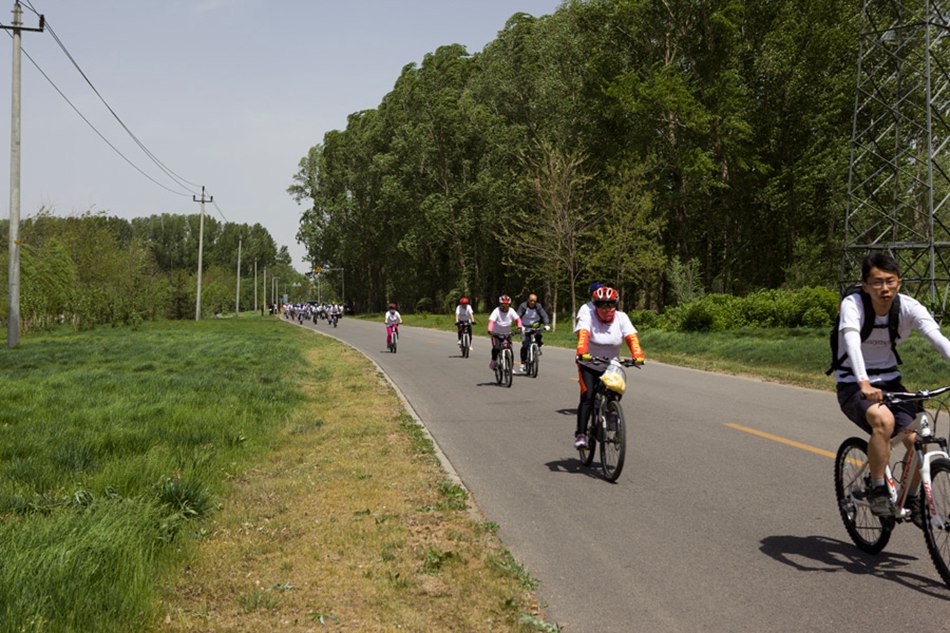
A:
(113, 445)
(350, 524)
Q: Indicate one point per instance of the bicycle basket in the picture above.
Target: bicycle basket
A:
(614, 378)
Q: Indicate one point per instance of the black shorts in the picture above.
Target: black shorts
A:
(855, 408)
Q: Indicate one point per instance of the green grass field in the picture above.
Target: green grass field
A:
(133, 460)
(110, 442)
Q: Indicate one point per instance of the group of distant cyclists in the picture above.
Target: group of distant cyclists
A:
(867, 367)
(600, 327)
(330, 312)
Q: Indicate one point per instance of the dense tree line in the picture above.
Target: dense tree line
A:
(97, 269)
(635, 141)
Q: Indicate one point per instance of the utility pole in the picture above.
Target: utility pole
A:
(13, 320)
(255, 286)
(237, 297)
(201, 246)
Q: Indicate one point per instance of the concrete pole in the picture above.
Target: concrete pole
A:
(255, 286)
(201, 247)
(13, 320)
(237, 297)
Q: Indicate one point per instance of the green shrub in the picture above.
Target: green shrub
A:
(698, 318)
(806, 307)
(644, 319)
(816, 317)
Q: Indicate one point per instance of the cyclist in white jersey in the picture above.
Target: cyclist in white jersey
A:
(872, 366)
(393, 319)
(600, 333)
(464, 314)
(499, 326)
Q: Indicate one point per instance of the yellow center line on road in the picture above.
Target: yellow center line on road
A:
(769, 436)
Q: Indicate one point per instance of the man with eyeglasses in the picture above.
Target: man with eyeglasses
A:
(871, 366)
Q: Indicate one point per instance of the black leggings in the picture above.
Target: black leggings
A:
(588, 378)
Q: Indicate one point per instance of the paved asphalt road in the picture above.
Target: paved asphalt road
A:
(709, 528)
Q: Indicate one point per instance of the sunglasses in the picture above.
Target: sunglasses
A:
(605, 304)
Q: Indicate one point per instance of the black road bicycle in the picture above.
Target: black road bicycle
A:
(606, 425)
(505, 363)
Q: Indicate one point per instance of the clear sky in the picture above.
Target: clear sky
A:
(226, 93)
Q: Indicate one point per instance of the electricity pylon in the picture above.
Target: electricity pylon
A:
(899, 172)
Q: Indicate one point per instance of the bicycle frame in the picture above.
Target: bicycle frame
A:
(916, 460)
(530, 334)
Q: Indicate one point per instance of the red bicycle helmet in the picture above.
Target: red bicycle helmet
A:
(463, 301)
(392, 306)
(605, 294)
(504, 300)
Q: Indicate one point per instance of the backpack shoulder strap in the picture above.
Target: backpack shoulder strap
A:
(893, 325)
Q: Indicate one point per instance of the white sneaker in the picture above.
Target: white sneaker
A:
(521, 371)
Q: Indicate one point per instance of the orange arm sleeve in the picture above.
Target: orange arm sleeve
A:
(633, 342)
(583, 341)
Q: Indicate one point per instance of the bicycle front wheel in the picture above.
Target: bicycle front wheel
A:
(535, 361)
(870, 533)
(508, 366)
(466, 344)
(587, 454)
(613, 440)
(937, 517)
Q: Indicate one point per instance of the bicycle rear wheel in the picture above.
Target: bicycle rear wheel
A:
(937, 517)
(870, 533)
(613, 441)
(508, 366)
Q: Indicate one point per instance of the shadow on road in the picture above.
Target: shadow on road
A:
(573, 465)
(823, 554)
(567, 411)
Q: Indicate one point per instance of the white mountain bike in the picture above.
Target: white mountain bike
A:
(932, 512)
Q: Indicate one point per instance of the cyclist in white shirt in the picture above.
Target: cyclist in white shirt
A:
(393, 319)
(499, 326)
(600, 333)
(464, 314)
(872, 366)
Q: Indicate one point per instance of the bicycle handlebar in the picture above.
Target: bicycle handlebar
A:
(626, 362)
(894, 397)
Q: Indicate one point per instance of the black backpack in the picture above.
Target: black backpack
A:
(867, 326)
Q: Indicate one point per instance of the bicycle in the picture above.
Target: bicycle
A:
(393, 338)
(871, 533)
(334, 319)
(465, 343)
(504, 367)
(533, 361)
(606, 423)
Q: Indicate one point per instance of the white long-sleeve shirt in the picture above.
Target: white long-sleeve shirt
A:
(876, 352)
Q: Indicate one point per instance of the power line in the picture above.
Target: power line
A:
(220, 212)
(94, 129)
(180, 180)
